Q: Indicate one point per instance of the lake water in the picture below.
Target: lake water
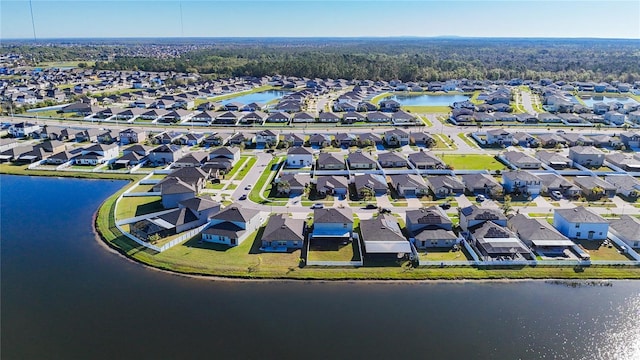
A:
(259, 97)
(64, 296)
(428, 100)
(605, 99)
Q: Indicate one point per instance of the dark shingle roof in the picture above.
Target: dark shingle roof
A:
(281, 228)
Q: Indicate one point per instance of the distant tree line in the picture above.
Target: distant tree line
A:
(404, 59)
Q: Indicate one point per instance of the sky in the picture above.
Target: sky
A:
(307, 18)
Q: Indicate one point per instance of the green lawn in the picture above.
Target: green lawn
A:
(139, 205)
(443, 255)
(247, 167)
(471, 161)
(254, 194)
(50, 64)
(376, 99)
(469, 141)
(442, 141)
(597, 251)
(334, 251)
(426, 121)
(12, 169)
(427, 109)
(237, 167)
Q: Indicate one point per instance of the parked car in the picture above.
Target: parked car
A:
(556, 195)
(248, 187)
(385, 211)
(480, 198)
(370, 206)
(317, 206)
(445, 206)
(243, 197)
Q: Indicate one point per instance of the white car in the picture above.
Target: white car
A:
(317, 206)
(248, 187)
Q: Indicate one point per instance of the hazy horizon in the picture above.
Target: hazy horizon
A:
(111, 19)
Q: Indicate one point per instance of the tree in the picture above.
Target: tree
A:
(506, 205)
(283, 187)
(597, 192)
(366, 193)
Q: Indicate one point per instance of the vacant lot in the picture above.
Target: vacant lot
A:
(136, 206)
(472, 162)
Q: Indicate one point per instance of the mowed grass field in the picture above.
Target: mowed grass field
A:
(472, 162)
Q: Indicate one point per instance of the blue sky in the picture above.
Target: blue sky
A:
(305, 18)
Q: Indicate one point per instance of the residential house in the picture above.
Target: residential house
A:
(320, 140)
(445, 185)
(594, 187)
(225, 152)
(430, 227)
(191, 159)
(574, 139)
(360, 161)
(554, 159)
(254, 117)
(396, 137)
(203, 208)
(23, 129)
(554, 182)
(378, 117)
(369, 139)
(165, 225)
(370, 183)
(330, 161)
(191, 139)
(538, 234)
(422, 139)
(232, 225)
(551, 140)
(266, 138)
(60, 158)
(165, 154)
(130, 136)
(97, 153)
(328, 117)
(292, 184)
(587, 156)
(332, 223)
(283, 233)
(521, 160)
(351, 117)
(278, 117)
(409, 185)
(345, 140)
(392, 159)
(627, 229)
(240, 139)
(614, 117)
(623, 161)
(332, 185)
(521, 182)
(293, 139)
(630, 139)
(303, 117)
(298, 157)
(580, 223)
(425, 160)
(499, 137)
(167, 137)
(625, 185)
(382, 237)
(227, 118)
(473, 216)
(480, 184)
(496, 242)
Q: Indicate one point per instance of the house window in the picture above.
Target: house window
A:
(344, 226)
(578, 234)
(424, 243)
(577, 225)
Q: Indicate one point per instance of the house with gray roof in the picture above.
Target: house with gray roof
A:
(167, 224)
(278, 117)
(377, 184)
(554, 182)
(292, 184)
(551, 140)
(191, 159)
(627, 229)
(580, 223)
(283, 233)
(588, 184)
(359, 160)
(396, 137)
(430, 227)
(496, 242)
(332, 185)
(232, 225)
(392, 159)
(523, 182)
(204, 208)
(422, 139)
(484, 184)
(445, 185)
(425, 160)
(630, 139)
(332, 223)
(521, 160)
(472, 216)
(625, 185)
(382, 237)
(303, 117)
(320, 140)
(623, 161)
(499, 136)
(539, 235)
(409, 185)
(587, 156)
(554, 160)
(298, 157)
(331, 161)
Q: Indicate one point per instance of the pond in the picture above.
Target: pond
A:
(428, 100)
(258, 97)
(589, 101)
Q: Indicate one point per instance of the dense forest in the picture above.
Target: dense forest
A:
(386, 59)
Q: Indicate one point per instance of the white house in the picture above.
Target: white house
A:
(580, 223)
(499, 136)
(298, 157)
(521, 181)
(23, 129)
